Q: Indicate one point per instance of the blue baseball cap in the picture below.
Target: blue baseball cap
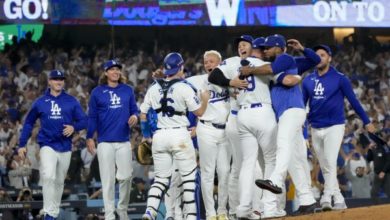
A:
(172, 63)
(111, 63)
(275, 40)
(245, 37)
(324, 47)
(56, 74)
(258, 43)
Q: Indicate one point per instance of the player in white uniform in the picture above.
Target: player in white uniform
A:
(212, 140)
(234, 143)
(171, 98)
(257, 127)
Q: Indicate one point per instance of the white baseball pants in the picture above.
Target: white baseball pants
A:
(173, 145)
(212, 148)
(326, 144)
(115, 156)
(53, 169)
(257, 128)
(234, 151)
(172, 199)
(300, 172)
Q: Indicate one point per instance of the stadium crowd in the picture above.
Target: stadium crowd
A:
(24, 69)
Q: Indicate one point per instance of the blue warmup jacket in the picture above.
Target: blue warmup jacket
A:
(54, 113)
(325, 95)
(109, 111)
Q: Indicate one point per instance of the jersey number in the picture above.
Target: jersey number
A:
(251, 83)
(170, 110)
(318, 88)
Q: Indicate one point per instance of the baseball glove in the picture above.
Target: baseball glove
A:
(143, 153)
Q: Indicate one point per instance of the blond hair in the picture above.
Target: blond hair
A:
(103, 79)
(212, 52)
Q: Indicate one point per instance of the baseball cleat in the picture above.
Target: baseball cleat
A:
(326, 207)
(277, 214)
(48, 217)
(148, 216)
(268, 185)
(339, 206)
(251, 216)
(305, 209)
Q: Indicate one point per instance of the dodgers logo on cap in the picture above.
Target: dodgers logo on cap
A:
(245, 37)
(56, 74)
(275, 40)
(111, 63)
(258, 43)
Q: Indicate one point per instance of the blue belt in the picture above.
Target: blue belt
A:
(219, 126)
(254, 105)
(234, 112)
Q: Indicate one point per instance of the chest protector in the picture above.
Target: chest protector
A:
(165, 108)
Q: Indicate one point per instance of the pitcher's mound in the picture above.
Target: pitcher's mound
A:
(362, 213)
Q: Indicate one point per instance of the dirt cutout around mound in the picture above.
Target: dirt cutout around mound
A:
(380, 212)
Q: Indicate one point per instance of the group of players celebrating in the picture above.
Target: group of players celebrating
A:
(247, 116)
(251, 111)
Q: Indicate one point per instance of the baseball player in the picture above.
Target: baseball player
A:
(60, 116)
(254, 103)
(171, 98)
(212, 140)
(112, 111)
(324, 91)
(287, 102)
(234, 141)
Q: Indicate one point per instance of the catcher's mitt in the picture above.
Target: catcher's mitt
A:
(143, 153)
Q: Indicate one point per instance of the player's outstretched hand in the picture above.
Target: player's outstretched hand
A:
(246, 70)
(238, 83)
(133, 120)
(68, 130)
(22, 152)
(91, 146)
(158, 74)
(295, 44)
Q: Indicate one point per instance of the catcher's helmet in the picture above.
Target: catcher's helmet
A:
(172, 63)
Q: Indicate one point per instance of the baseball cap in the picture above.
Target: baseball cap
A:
(258, 43)
(172, 63)
(275, 40)
(324, 47)
(56, 74)
(244, 37)
(111, 63)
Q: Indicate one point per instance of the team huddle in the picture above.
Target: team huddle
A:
(247, 115)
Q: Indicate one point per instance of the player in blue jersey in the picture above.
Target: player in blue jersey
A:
(324, 91)
(60, 116)
(288, 105)
(112, 112)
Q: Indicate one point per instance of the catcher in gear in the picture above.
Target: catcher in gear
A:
(143, 153)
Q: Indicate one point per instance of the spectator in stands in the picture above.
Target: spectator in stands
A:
(139, 193)
(380, 154)
(19, 171)
(358, 172)
(4, 197)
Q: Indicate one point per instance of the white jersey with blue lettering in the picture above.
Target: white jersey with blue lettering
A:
(218, 107)
(181, 97)
(258, 89)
